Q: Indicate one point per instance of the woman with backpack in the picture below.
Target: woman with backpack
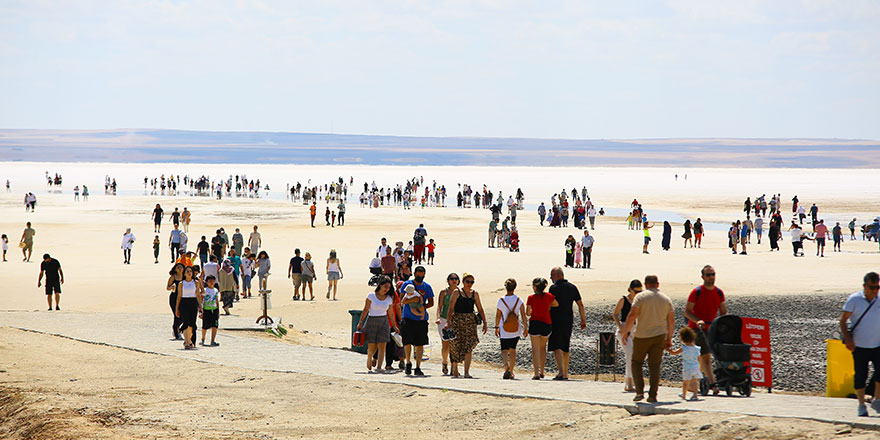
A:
(512, 311)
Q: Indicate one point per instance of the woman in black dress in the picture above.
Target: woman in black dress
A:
(687, 234)
(667, 236)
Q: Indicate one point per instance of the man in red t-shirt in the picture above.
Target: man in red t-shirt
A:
(704, 304)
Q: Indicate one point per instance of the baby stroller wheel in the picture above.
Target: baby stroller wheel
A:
(746, 389)
(729, 390)
(704, 387)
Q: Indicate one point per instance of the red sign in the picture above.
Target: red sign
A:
(756, 332)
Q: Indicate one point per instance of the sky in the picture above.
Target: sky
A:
(494, 68)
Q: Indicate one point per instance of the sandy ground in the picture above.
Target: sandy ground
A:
(85, 237)
(56, 388)
(119, 394)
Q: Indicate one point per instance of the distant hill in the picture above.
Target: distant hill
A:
(155, 145)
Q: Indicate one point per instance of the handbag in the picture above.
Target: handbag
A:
(477, 318)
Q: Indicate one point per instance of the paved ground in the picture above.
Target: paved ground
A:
(150, 334)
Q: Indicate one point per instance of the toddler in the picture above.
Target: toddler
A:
(431, 246)
(416, 308)
(690, 363)
(5, 242)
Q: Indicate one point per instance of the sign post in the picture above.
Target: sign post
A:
(756, 332)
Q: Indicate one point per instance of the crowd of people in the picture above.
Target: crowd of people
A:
(238, 186)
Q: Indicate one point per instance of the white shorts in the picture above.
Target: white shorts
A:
(691, 374)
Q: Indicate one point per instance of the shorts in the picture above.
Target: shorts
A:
(28, 246)
(210, 318)
(691, 374)
(560, 338)
(647, 240)
(53, 287)
(307, 279)
(702, 343)
(332, 276)
(414, 332)
(440, 328)
(508, 343)
(539, 328)
(297, 280)
(820, 241)
(430, 255)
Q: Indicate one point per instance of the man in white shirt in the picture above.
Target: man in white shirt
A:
(127, 241)
(255, 241)
(863, 337)
(591, 213)
(382, 249)
(587, 242)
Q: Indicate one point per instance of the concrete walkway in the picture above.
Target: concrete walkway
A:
(150, 334)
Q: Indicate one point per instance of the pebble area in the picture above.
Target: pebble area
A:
(799, 326)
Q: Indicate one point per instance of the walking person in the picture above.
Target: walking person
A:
(464, 322)
(443, 300)
(174, 243)
(860, 327)
(156, 245)
(27, 242)
(189, 306)
(294, 272)
(620, 314)
(210, 312)
(666, 241)
(570, 246)
(157, 219)
(255, 241)
(51, 268)
(510, 310)
(308, 276)
(175, 276)
(651, 322)
(821, 233)
(4, 241)
(375, 324)
(698, 232)
(773, 234)
(415, 326)
(587, 242)
(538, 307)
(562, 319)
(237, 241)
(647, 228)
(705, 303)
(837, 236)
(264, 264)
(687, 234)
(128, 240)
(334, 273)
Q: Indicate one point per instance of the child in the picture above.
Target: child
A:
(210, 313)
(247, 271)
(431, 246)
(690, 363)
(416, 308)
(578, 255)
(5, 241)
(156, 244)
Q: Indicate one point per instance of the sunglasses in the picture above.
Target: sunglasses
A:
(874, 287)
(469, 281)
(710, 274)
(452, 279)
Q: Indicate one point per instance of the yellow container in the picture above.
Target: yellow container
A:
(838, 370)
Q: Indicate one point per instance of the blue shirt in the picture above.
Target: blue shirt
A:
(236, 264)
(175, 235)
(867, 334)
(428, 293)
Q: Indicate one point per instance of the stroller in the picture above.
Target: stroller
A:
(376, 270)
(731, 356)
(514, 241)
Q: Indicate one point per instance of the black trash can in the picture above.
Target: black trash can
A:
(355, 319)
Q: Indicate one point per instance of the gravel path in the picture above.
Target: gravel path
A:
(799, 326)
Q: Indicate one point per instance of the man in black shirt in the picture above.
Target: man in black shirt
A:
(54, 279)
(217, 245)
(563, 320)
(203, 247)
(294, 272)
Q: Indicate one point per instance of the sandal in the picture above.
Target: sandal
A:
(445, 369)
(536, 377)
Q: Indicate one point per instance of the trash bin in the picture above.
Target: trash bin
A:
(607, 349)
(355, 319)
(838, 370)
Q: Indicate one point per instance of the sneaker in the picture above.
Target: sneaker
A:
(875, 405)
(57, 308)
(418, 372)
(506, 375)
(50, 309)
(408, 369)
(863, 411)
